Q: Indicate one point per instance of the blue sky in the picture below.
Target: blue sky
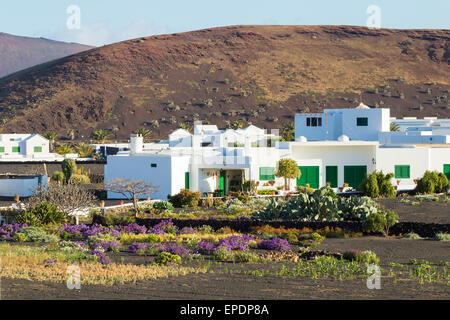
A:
(108, 21)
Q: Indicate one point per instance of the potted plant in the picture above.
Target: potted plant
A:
(121, 202)
(345, 185)
(102, 203)
(415, 181)
(398, 182)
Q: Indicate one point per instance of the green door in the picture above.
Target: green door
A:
(223, 181)
(310, 175)
(354, 175)
(447, 170)
(186, 180)
(332, 176)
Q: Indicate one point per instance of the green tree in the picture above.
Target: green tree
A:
(288, 131)
(69, 167)
(394, 127)
(145, 133)
(288, 169)
(50, 136)
(85, 150)
(63, 149)
(101, 135)
(186, 126)
(234, 125)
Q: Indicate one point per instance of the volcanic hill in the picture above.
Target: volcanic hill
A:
(254, 74)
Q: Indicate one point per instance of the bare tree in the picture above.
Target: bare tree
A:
(68, 198)
(131, 189)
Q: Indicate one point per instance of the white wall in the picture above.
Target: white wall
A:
(420, 159)
(139, 168)
(23, 187)
(325, 155)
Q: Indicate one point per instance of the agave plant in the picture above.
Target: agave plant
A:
(101, 135)
(63, 149)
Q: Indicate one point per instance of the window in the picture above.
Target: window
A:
(362, 122)
(314, 122)
(15, 149)
(153, 165)
(2, 149)
(266, 173)
(402, 172)
(37, 149)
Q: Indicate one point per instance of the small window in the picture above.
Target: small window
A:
(2, 149)
(15, 149)
(266, 173)
(402, 172)
(314, 122)
(153, 165)
(362, 122)
(308, 122)
(319, 122)
(37, 149)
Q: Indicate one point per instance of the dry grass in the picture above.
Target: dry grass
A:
(23, 262)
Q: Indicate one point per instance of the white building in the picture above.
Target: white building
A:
(26, 148)
(338, 147)
(21, 185)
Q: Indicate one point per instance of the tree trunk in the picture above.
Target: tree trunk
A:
(135, 206)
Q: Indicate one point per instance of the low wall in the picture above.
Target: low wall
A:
(423, 229)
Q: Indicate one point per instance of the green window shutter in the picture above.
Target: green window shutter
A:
(37, 149)
(15, 149)
(266, 173)
(186, 180)
(362, 122)
(2, 149)
(354, 175)
(332, 176)
(309, 175)
(402, 171)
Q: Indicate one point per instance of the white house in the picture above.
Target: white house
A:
(21, 185)
(26, 148)
(338, 147)
(206, 161)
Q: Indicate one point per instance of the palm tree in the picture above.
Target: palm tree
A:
(186, 126)
(288, 131)
(394, 127)
(50, 136)
(145, 133)
(63, 149)
(101, 135)
(85, 150)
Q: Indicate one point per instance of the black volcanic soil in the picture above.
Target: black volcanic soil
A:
(220, 285)
(426, 211)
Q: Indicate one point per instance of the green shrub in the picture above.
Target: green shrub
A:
(361, 256)
(69, 167)
(412, 235)
(163, 206)
(221, 254)
(304, 189)
(112, 219)
(380, 221)
(246, 256)
(322, 205)
(20, 237)
(36, 234)
(185, 198)
(378, 184)
(58, 176)
(266, 192)
(79, 179)
(165, 258)
(442, 237)
(44, 213)
(432, 182)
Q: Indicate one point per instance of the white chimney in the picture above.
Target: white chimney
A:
(136, 143)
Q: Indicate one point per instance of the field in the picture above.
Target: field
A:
(126, 262)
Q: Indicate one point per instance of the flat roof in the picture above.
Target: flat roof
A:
(334, 143)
